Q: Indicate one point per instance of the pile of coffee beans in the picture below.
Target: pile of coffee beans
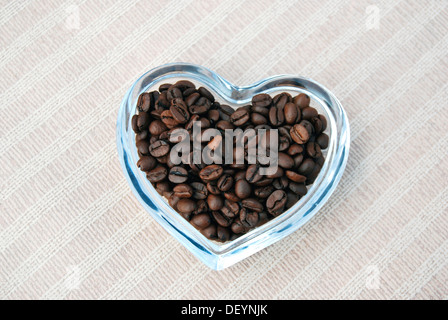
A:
(225, 201)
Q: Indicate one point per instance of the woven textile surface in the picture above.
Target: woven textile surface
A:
(70, 227)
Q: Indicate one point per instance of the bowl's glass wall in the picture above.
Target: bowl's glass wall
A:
(215, 254)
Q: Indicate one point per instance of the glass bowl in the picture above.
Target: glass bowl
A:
(215, 254)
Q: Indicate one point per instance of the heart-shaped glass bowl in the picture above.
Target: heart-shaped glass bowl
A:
(215, 254)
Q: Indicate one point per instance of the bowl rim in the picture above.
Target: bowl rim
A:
(220, 255)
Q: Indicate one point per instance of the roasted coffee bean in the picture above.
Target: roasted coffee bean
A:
(323, 120)
(308, 113)
(146, 163)
(192, 98)
(230, 208)
(298, 188)
(134, 124)
(295, 149)
(215, 202)
(144, 102)
(183, 190)
(298, 160)
(258, 119)
(285, 161)
(209, 232)
(276, 202)
(200, 221)
(263, 182)
(225, 182)
(313, 150)
(179, 111)
(279, 172)
(291, 199)
(248, 218)
(240, 117)
(200, 191)
(143, 121)
(302, 100)
(162, 102)
(178, 175)
(317, 125)
(211, 172)
(201, 207)
(243, 189)
(253, 173)
(280, 183)
(261, 100)
(188, 92)
(206, 94)
(306, 167)
(213, 188)
(281, 99)
(264, 192)
(159, 148)
(309, 127)
(156, 127)
(313, 175)
(299, 134)
(292, 113)
(320, 161)
(187, 206)
(143, 147)
(213, 115)
(173, 92)
(222, 219)
(163, 186)
(294, 176)
(142, 135)
(238, 228)
(224, 125)
(172, 201)
(323, 140)
(276, 116)
(231, 196)
(185, 84)
(225, 112)
(157, 174)
(223, 234)
(252, 204)
(164, 87)
(168, 119)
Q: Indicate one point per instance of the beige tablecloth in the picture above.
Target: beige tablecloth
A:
(70, 226)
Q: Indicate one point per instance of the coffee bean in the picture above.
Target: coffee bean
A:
(298, 188)
(285, 161)
(306, 167)
(294, 176)
(144, 102)
(178, 175)
(200, 221)
(240, 117)
(261, 100)
(173, 92)
(159, 148)
(211, 172)
(223, 234)
(252, 204)
(276, 202)
(295, 149)
(179, 111)
(292, 113)
(313, 150)
(209, 232)
(280, 183)
(157, 174)
(142, 135)
(200, 191)
(248, 218)
(299, 134)
(225, 182)
(168, 119)
(222, 219)
(238, 228)
(264, 192)
(323, 140)
(185, 85)
(302, 100)
(291, 199)
(253, 174)
(243, 189)
(143, 147)
(215, 202)
(231, 196)
(225, 112)
(183, 191)
(146, 163)
(206, 94)
(276, 115)
(157, 127)
(309, 113)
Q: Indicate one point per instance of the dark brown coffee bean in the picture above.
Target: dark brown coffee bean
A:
(143, 120)
(253, 174)
(320, 161)
(281, 99)
(231, 196)
(298, 188)
(185, 85)
(162, 102)
(295, 149)
(202, 105)
(225, 112)
(302, 100)
(323, 120)
(168, 119)
(261, 100)
(187, 206)
(230, 209)
(156, 127)
(172, 201)
(134, 124)
(317, 125)
(200, 221)
(264, 192)
(178, 175)
(183, 190)
(224, 125)
(213, 115)
(223, 234)
(174, 92)
(157, 174)
(243, 189)
(276, 116)
(323, 140)
(294, 176)
(252, 204)
(225, 182)
(306, 167)
(299, 134)
(146, 163)
(144, 102)
(292, 113)
(200, 191)
(298, 160)
(258, 119)
(263, 182)
(143, 147)
(238, 228)
(240, 117)
(285, 161)
(276, 202)
(209, 232)
(206, 94)
(277, 174)
(280, 183)
(308, 113)
(164, 87)
(222, 219)
(211, 172)
(248, 218)
(215, 202)
(291, 199)
(159, 148)
(313, 150)
(179, 110)
(313, 175)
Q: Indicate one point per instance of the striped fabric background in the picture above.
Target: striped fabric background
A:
(70, 228)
